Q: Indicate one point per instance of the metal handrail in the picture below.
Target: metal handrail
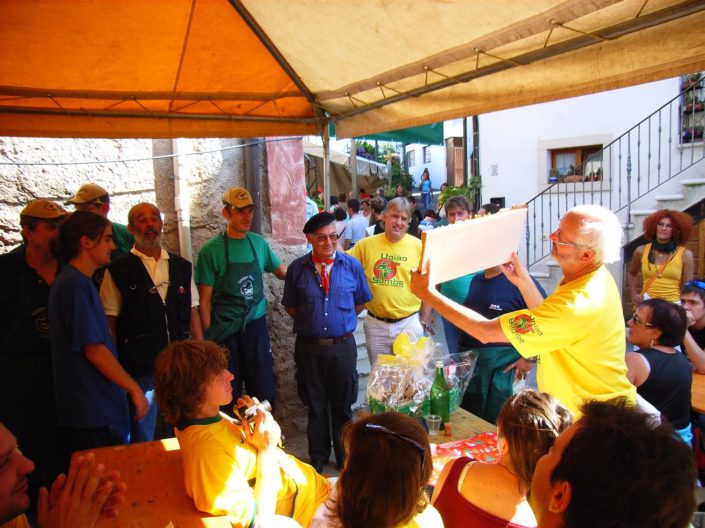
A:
(651, 153)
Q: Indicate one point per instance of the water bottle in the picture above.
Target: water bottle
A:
(440, 396)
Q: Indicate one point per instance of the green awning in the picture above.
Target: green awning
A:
(427, 134)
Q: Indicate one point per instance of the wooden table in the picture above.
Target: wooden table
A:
(464, 425)
(155, 480)
(155, 488)
(697, 397)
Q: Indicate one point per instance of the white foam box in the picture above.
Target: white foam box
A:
(473, 245)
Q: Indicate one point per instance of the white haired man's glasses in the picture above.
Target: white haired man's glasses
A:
(554, 238)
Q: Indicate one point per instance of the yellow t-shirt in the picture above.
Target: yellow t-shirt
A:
(578, 335)
(388, 270)
(327, 517)
(668, 285)
(219, 467)
(18, 522)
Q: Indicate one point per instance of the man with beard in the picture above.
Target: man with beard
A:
(150, 300)
(26, 382)
(577, 332)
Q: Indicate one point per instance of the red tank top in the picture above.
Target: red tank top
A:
(456, 510)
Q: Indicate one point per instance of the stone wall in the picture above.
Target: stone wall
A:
(55, 169)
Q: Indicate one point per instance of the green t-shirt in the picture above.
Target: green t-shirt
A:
(210, 268)
(457, 289)
(123, 239)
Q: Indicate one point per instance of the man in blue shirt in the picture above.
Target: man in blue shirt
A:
(324, 291)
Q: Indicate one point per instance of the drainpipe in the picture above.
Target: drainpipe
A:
(476, 159)
(253, 181)
(182, 198)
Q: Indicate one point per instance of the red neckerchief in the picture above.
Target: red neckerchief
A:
(325, 278)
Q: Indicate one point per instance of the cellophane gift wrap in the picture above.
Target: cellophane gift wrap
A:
(402, 382)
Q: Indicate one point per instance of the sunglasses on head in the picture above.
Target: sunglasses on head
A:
(697, 284)
(384, 430)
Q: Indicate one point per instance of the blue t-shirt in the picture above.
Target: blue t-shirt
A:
(84, 397)
(492, 298)
(320, 316)
(356, 229)
(426, 186)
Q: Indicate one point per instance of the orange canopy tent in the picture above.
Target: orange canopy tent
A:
(241, 68)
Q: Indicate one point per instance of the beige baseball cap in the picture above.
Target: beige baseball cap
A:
(89, 192)
(237, 197)
(44, 209)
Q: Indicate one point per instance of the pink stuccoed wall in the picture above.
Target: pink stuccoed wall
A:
(287, 190)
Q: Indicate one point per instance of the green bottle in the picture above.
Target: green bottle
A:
(440, 396)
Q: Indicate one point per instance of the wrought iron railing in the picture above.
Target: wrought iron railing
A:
(656, 150)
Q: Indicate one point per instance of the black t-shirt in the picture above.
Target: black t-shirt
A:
(699, 336)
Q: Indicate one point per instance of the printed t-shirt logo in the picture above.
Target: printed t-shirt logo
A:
(385, 269)
(247, 288)
(523, 324)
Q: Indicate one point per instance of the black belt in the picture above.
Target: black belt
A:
(387, 319)
(325, 342)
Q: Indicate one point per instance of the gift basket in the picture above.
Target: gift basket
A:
(402, 382)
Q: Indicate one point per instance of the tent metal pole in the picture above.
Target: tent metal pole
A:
(476, 159)
(326, 167)
(277, 55)
(465, 152)
(662, 16)
(353, 167)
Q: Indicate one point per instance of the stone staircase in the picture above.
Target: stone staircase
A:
(548, 273)
(693, 192)
(656, 164)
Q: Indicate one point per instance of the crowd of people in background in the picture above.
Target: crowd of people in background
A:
(107, 339)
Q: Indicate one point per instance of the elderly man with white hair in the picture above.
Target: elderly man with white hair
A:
(577, 333)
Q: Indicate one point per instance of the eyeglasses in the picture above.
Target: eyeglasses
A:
(554, 238)
(664, 226)
(384, 430)
(322, 238)
(697, 284)
(637, 321)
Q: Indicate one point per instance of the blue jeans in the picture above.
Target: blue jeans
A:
(143, 431)
(250, 361)
(426, 199)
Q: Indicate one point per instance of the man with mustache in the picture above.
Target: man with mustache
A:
(150, 300)
(26, 381)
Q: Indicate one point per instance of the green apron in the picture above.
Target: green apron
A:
(489, 387)
(240, 292)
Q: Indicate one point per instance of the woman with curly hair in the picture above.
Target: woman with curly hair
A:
(665, 263)
(483, 495)
(387, 467)
(229, 468)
